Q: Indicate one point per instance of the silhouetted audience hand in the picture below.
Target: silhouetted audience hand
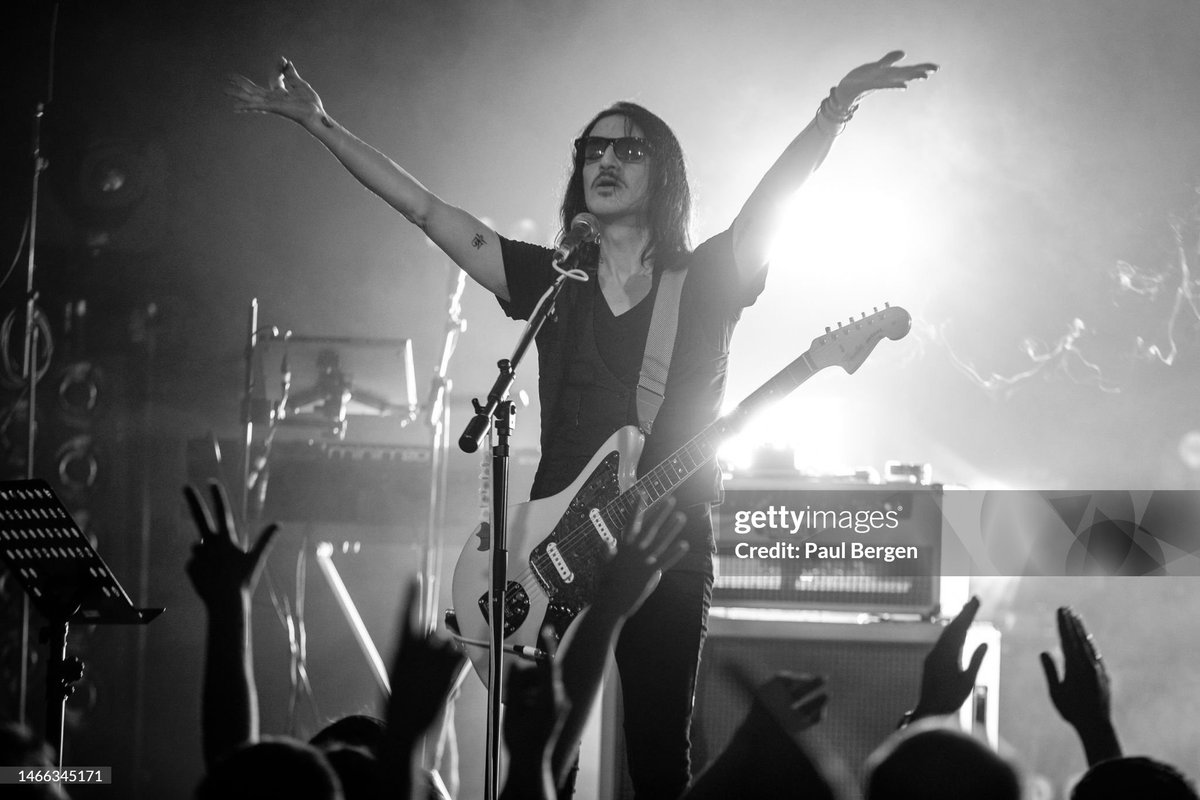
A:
(945, 685)
(536, 707)
(223, 575)
(424, 671)
(220, 570)
(647, 548)
(768, 756)
(1082, 696)
(795, 700)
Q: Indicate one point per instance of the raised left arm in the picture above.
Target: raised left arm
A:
(757, 222)
(223, 575)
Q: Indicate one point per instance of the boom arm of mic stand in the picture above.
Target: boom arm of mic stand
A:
(477, 428)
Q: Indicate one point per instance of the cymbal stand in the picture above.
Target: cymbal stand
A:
(438, 420)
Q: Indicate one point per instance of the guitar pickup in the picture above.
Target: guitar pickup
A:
(559, 563)
(602, 529)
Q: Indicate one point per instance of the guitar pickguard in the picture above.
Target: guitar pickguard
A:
(569, 579)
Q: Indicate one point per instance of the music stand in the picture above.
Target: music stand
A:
(67, 581)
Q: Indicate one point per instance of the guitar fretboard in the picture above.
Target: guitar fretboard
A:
(702, 448)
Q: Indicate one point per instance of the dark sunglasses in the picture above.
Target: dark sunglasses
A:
(629, 149)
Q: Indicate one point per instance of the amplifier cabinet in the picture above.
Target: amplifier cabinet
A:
(874, 548)
(872, 673)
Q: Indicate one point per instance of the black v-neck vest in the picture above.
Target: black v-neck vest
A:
(589, 384)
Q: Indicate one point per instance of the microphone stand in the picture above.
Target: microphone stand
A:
(503, 411)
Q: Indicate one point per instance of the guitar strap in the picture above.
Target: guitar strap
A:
(660, 343)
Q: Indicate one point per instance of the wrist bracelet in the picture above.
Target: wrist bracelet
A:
(835, 112)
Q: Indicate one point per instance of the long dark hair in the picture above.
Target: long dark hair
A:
(669, 204)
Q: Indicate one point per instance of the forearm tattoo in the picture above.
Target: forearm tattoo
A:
(478, 241)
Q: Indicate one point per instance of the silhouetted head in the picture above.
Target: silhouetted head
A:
(357, 771)
(1132, 777)
(272, 768)
(931, 762)
(353, 730)
(19, 747)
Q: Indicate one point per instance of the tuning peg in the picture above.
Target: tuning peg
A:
(875, 309)
(887, 305)
(839, 325)
(864, 315)
(827, 329)
(852, 319)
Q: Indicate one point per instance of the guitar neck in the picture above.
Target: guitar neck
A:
(702, 448)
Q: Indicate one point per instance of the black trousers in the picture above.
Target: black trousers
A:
(658, 655)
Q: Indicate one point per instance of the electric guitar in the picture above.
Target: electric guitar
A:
(557, 545)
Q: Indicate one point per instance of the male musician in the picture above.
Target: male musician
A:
(629, 173)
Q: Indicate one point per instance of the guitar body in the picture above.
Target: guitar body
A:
(554, 554)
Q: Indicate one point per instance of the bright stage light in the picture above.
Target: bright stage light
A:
(815, 430)
(861, 221)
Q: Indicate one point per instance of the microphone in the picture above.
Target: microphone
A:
(584, 228)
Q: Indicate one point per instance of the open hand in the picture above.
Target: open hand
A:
(287, 95)
(646, 549)
(220, 570)
(945, 685)
(881, 74)
(1082, 695)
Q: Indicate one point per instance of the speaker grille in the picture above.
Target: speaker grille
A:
(870, 684)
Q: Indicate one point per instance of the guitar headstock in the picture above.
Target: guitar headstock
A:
(849, 344)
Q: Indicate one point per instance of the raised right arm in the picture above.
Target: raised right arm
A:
(469, 242)
(1083, 695)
